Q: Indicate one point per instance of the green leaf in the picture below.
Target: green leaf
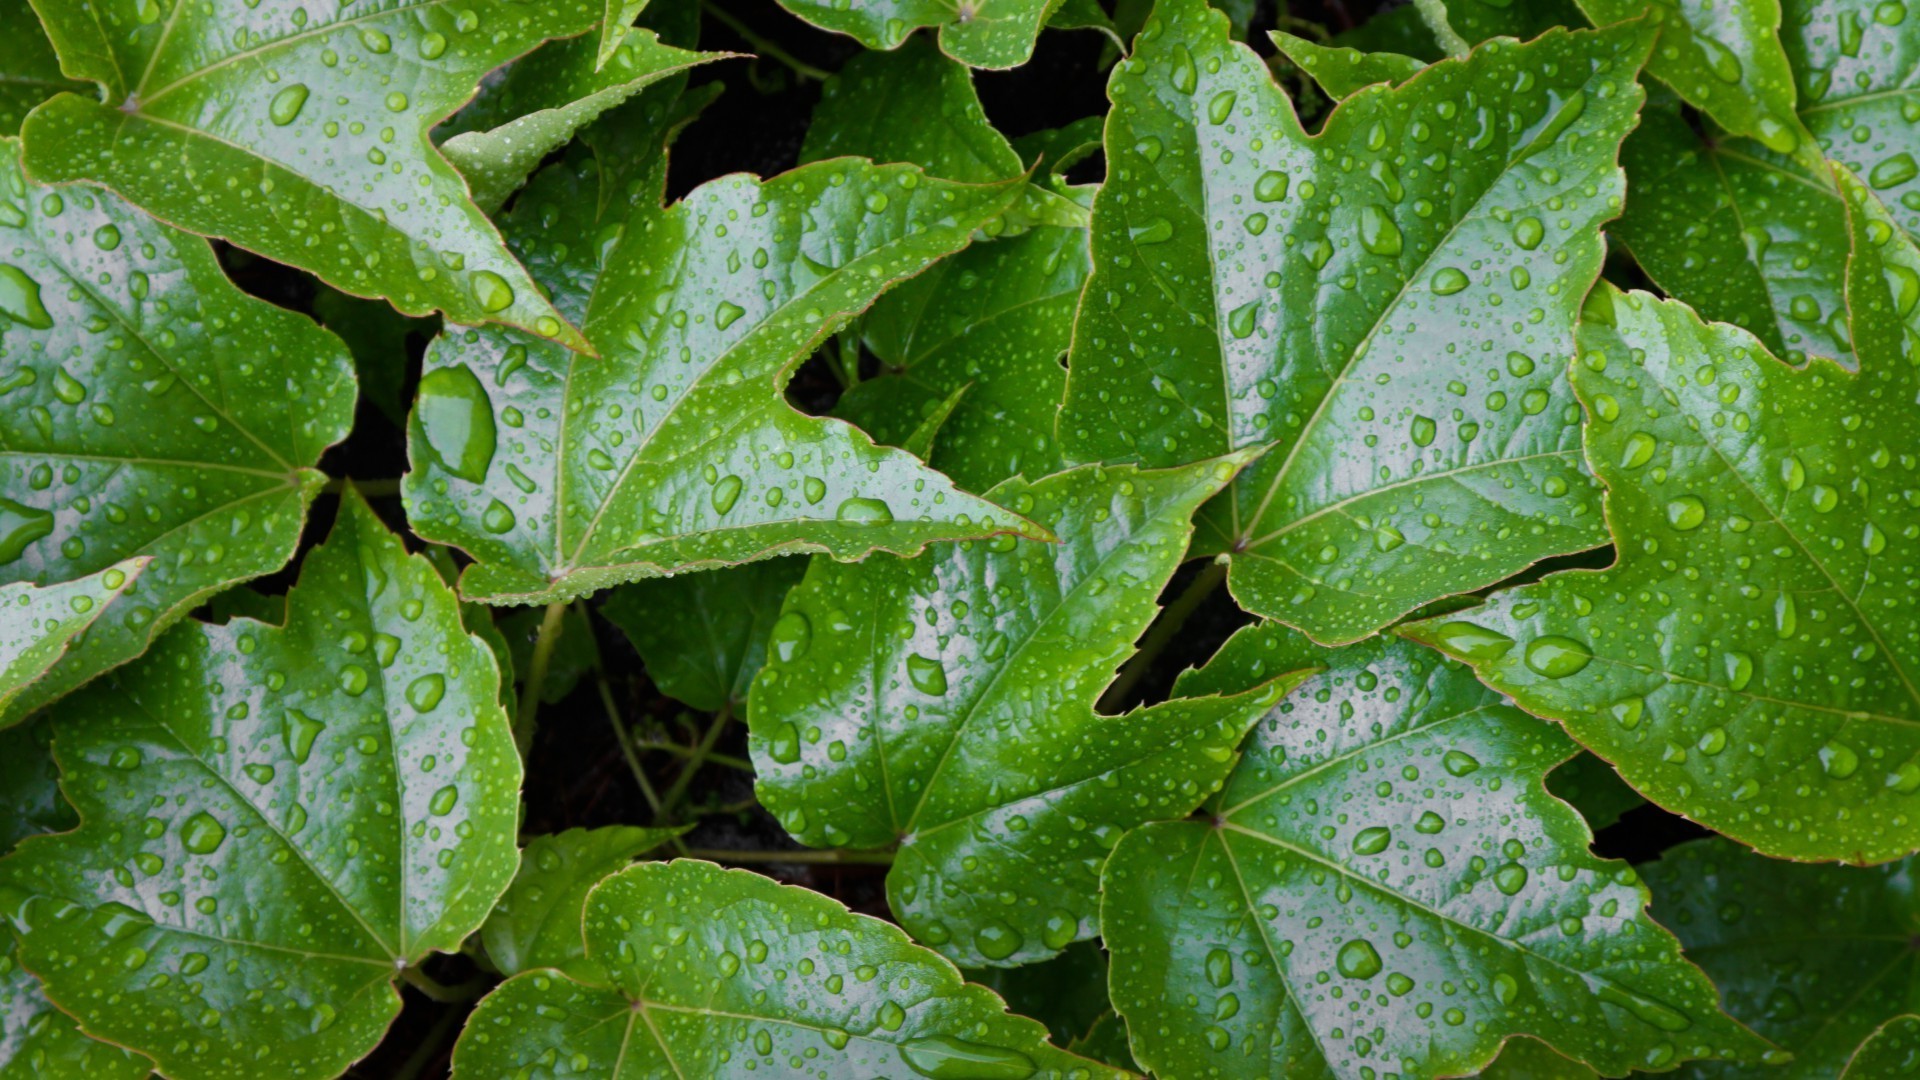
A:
(1527, 1059)
(562, 473)
(1589, 785)
(725, 974)
(33, 804)
(947, 704)
(147, 408)
(499, 140)
(29, 71)
(1725, 60)
(614, 26)
(1059, 149)
(1767, 527)
(1385, 885)
(377, 337)
(1854, 65)
(1475, 21)
(1739, 234)
(1891, 1053)
(912, 105)
(1813, 957)
(537, 924)
(978, 33)
(1388, 304)
(38, 1042)
(1341, 71)
(575, 652)
(274, 822)
(303, 136)
(39, 623)
(704, 636)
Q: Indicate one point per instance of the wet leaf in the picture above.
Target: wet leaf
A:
(147, 408)
(537, 924)
(704, 636)
(1890, 1053)
(1813, 957)
(38, 624)
(302, 135)
(725, 974)
(562, 473)
(1385, 885)
(274, 822)
(1387, 304)
(912, 105)
(1854, 64)
(1341, 72)
(978, 33)
(1768, 527)
(1528, 1059)
(29, 71)
(947, 704)
(38, 1041)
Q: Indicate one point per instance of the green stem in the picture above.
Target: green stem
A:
(536, 674)
(1434, 13)
(372, 489)
(471, 990)
(1168, 626)
(685, 752)
(678, 792)
(620, 733)
(762, 46)
(429, 1047)
(833, 855)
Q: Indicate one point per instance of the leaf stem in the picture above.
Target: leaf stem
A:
(470, 990)
(762, 46)
(372, 489)
(685, 752)
(1167, 627)
(800, 855)
(529, 709)
(698, 757)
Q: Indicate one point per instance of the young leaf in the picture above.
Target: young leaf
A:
(1814, 957)
(275, 822)
(1385, 885)
(1854, 64)
(497, 141)
(947, 704)
(1767, 527)
(38, 623)
(1738, 233)
(978, 33)
(302, 135)
(1388, 304)
(147, 408)
(29, 71)
(725, 974)
(1343, 72)
(1725, 60)
(537, 924)
(704, 636)
(1892, 1052)
(563, 473)
(38, 1042)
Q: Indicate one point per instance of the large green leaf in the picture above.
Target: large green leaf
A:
(274, 822)
(1751, 660)
(978, 33)
(946, 704)
(303, 134)
(537, 923)
(29, 71)
(725, 974)
(1389, 304)
(992, 321)
(704, 636)
(1854, 63)
(147, 408)
(497, 141)
(1739, 233)
(37, 624)
(1384, 885)
(563, 472)
(38, 1042)
(1813, 957)
(1891, 1053)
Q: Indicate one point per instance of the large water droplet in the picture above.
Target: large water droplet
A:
(20, 526)
(203, 834)
(456, 419)
(792, 634)
(1557, 657)
(1357, 959)
(1472, 642)
(20, 298)
(286, 104)
(865, 512)
(929, 676)
(944, 1057)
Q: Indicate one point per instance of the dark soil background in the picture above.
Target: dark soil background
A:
(576, 773)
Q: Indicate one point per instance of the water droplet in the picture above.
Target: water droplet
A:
(864, 512)
(491, 291)
(1839, 760)
(1460, 763)
(20, 298)
(929, 676)
(498, 517)
(203, 834)
(1423, 431)
(943, 1057)
(426, 691)
(997, 941)
(456, 419)
(1357, 959)
(1220, 968)
(1381, 236)
(443, 801)
(1557, 657)
(286, 105)
(1510, 879)
(1448, 280)
(20, 526)
(1155, 231)
(1372, 841)
(791, 635)
(1471, 642)
(727, 314)
(1686, 512)
(725, 493)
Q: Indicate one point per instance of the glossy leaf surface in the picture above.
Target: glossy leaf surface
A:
(1384, 884)
(39, 1042)
(947, 704)
(1389, 304)
(302, 135)
(538, 922)
(725, 974)
(1768, 526)
(276, 820)
(673, 450)
(992, 34)
(1890, 1053)
(29, 70)
(147, 408)
(1813, 957)
(912, 105)
(1341, 71)
(1854, 66)
(37, 624)
(704, 636)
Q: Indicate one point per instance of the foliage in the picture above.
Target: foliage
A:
(1179, 538)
